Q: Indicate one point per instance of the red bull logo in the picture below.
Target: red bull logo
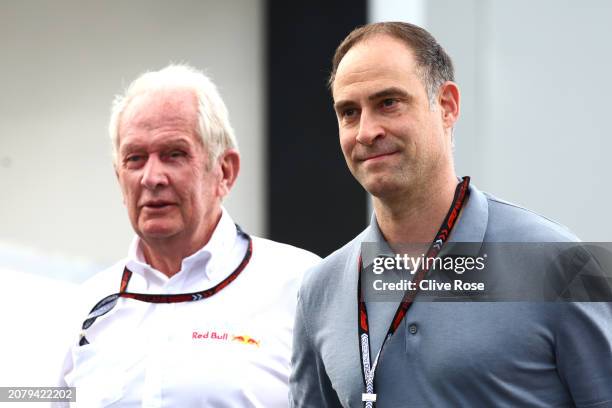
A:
(246, 340)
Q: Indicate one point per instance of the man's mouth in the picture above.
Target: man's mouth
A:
(157, 204)
(378, 156)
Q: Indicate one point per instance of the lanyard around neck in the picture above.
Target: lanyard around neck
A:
(367, 368)
(109, 302)
(187, 297)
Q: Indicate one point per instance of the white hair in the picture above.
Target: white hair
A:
(214, 127)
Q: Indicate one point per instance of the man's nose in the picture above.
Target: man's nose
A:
(369, 128)
(154, 174)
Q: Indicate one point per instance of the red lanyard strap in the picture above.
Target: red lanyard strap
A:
(367, 368)
(108, 303)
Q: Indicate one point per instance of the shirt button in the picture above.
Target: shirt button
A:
(413, 328)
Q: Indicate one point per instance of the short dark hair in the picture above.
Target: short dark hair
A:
(434, 66)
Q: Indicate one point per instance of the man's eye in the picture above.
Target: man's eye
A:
(348, 113)
(133, 158)
(389, 102)
(176, 154)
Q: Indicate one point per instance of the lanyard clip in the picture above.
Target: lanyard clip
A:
(368, 397)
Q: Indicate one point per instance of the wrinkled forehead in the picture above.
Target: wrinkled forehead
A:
(161, 107)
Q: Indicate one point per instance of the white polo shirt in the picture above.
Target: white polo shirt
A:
(230, 350)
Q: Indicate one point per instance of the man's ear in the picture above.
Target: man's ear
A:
(449, 103)
(229, 162)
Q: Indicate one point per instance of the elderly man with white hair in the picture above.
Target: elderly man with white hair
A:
(199, 313)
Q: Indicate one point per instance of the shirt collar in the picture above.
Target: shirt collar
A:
(473, 220)
(470, 227)
(207, 259)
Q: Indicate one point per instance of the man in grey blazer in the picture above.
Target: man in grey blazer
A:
(396, 105)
